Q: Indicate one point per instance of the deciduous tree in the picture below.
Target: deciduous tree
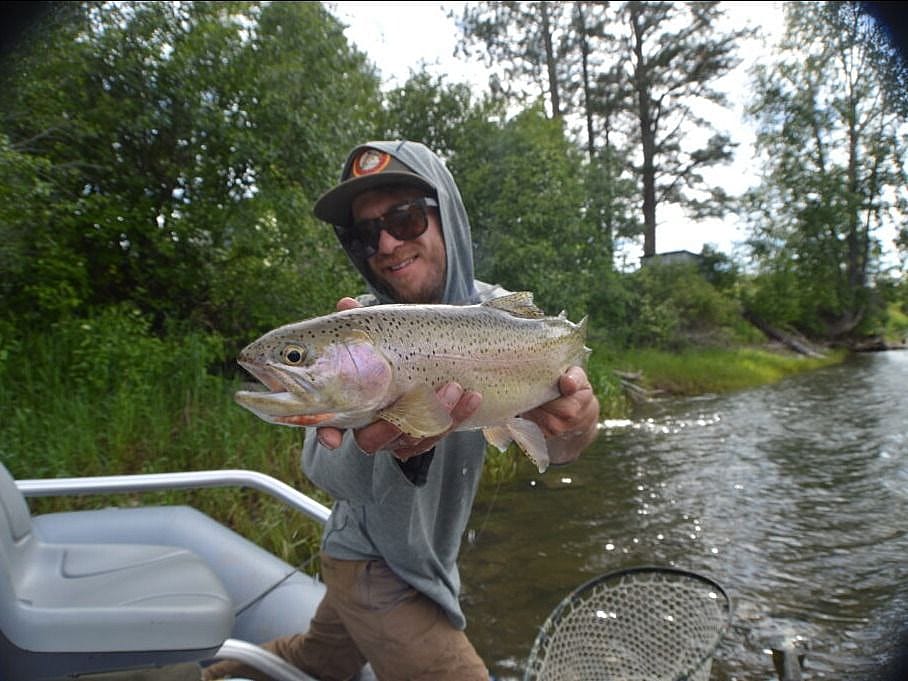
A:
(833, 143)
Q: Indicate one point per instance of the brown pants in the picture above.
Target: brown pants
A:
(368, 613)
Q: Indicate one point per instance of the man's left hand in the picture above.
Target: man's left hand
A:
(569, 422)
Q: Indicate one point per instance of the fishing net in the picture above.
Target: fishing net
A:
(638, 624)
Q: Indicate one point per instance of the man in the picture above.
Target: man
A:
(390, 547)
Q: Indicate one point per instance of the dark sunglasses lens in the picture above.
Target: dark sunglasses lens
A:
(407, 223)
(404, 223)
(361, 242)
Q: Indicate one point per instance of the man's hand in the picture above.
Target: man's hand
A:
(382, 435)
(569, 422)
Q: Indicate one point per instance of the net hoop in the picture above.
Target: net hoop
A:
(645, 623)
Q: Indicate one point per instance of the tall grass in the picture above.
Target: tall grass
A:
(104, 396)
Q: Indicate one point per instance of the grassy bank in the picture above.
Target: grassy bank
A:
(104, 396)
(692, 372)
(700, 371)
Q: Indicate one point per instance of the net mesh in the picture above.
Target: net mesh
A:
(641, 624)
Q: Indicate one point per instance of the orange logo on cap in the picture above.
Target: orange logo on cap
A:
(369, 162)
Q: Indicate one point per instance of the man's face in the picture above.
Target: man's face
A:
(414, 271)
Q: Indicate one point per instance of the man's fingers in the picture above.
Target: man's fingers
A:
(466, 406)
(572, 380)
(347, 303)
(330, 437)
(376, 436)
(382, 435)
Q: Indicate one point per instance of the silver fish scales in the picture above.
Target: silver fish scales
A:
(349, 368)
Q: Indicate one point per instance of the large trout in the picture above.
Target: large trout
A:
(349, 368)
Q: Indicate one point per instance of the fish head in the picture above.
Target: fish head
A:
(315, 375)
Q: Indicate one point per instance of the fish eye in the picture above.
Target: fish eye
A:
(293, 355)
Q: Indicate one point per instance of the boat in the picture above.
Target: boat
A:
(117, 589)
(120, 589)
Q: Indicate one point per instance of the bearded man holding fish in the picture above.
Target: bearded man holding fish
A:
(400, 390)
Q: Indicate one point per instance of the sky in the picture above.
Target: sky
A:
(400, 36)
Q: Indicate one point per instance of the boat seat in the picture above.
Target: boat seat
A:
(70, 608)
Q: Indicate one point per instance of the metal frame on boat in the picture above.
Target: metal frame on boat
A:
(104, 590)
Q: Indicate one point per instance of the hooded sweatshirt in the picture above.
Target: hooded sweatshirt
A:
(412, 522)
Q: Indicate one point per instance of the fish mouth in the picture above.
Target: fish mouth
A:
(264, 375)
(274, 400)
(277, 378)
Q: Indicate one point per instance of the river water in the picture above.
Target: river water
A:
(793, 497)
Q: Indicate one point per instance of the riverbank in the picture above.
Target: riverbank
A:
(125, 403)
(625, 378)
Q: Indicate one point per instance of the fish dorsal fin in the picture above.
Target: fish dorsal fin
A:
(519, 304)
(418, 413)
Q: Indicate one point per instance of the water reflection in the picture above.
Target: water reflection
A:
(794, 497)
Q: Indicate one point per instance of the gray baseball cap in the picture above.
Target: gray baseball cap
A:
(366, 168)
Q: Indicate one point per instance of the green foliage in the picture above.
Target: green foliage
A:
(524, 197)
(168, 154)
(434, 112)
(668, 306)
(634, 72)
(832, 138)
(105, 395)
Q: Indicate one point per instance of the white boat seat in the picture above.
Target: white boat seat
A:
(68, 608)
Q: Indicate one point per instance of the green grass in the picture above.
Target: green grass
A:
(694, 372)
(896, 330)
(155, 410)
(106, 397)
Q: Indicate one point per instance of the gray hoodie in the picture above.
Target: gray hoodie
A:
(380, 512)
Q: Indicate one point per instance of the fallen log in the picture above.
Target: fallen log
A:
(789, 340)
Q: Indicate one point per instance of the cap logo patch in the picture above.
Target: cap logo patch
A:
(369, 162)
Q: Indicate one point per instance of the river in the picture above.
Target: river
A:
(793, 497)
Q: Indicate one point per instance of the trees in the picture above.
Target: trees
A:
(834, 148)
(634, 74)
(520, 185)
(675, 54)
(519, 41)
(176, 149)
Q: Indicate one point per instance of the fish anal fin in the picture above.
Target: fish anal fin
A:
(418, 413)
(530, 439)
(519, 304)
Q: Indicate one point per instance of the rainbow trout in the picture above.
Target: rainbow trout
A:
(349, 368)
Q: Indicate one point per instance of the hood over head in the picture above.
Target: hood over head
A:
(389, 163)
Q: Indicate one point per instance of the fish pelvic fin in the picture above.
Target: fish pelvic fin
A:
(418, 413)
(498, 436)
(526, 434)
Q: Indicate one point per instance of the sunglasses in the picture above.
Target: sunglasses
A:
(405, 222)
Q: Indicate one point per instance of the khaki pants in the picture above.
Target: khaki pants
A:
(370, 614)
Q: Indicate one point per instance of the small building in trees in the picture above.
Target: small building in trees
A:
(671, 258)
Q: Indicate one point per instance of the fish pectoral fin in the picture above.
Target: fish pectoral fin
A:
(530, 439)
(498, 436)
(418, 413)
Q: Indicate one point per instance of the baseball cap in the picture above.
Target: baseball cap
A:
(366, 168)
